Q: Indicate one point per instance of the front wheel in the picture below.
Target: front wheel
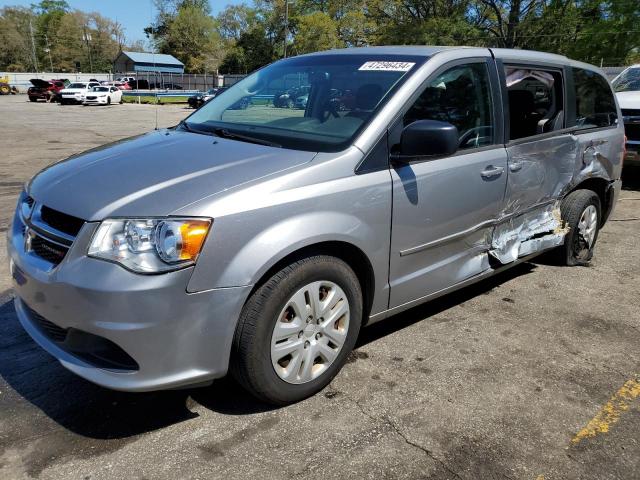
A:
(581, 210)
(296, 330)
(108, 100)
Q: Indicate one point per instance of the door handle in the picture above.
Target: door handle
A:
(492, 171)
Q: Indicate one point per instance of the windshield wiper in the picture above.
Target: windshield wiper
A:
(184, 125)
(223, 132)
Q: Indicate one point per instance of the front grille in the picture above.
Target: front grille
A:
(632, 131)
(61, 221)
(50, 251)
(91, 98)
(49, 329)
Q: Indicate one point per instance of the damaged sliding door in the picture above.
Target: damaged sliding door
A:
(539, 171)
(541, 162)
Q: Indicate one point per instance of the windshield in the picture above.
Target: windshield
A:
(315, 103)
(100, 89)
(77, 85)
(628, 81)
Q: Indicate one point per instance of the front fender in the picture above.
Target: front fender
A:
(258, 226)
(277, 240)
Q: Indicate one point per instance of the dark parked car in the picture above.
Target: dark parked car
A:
(342, 101)
(166, 86)
(138, 84)
(288, 98)
(45, 89)
(201, 98)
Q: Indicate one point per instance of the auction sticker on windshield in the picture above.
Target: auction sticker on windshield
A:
(387, 66)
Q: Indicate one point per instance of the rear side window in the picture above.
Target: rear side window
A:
(595, 105)
(535, 101)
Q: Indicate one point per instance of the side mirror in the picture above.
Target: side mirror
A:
(427, 138)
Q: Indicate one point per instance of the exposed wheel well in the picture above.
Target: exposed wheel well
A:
(348, 253)
(601, 187)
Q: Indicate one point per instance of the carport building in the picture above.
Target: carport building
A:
(138, 62)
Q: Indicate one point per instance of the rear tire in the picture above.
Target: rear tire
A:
(108, 100)
(581, 210)
(33, 99)
(279, 306)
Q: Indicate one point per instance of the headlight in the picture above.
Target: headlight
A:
(150, 245)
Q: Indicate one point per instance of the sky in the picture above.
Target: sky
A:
(134, 15)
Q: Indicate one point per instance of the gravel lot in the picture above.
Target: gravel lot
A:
(489, 382)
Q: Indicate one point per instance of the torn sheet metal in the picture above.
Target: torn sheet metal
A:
(528, 233)
(540, 172)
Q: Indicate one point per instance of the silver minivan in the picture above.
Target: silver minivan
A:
(258, 238)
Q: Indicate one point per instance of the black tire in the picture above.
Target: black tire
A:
(33, 99)
(108, 100)
(576, 250)
(251, 352)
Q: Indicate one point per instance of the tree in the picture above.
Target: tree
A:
(252, 51)
(15, 42)
(315, 32)
(235, 20)
(421, 22)
(193, 38)
(186, 30)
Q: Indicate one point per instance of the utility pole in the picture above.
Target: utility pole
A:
(33, 46)
(48, 50)
(286, 27)
(87, 38)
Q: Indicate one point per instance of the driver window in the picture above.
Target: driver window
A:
(460, 96)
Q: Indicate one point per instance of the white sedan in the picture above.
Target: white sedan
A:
(103, 95)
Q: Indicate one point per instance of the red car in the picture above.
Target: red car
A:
(44, 89)
(118, 85)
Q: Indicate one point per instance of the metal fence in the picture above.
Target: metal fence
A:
(185, 81)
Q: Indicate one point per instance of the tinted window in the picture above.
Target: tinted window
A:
(535, 101)
(460, 96)
(595, 105)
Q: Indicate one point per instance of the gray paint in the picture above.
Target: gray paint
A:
(426, 228)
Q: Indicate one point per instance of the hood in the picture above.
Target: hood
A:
(36, 82)
(629, 100)
(155, 174)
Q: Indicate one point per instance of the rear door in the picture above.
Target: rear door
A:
(542, 153)
(444, 208)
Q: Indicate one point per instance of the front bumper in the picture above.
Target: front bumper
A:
(95, 101)
(175, 338)
(75, 98)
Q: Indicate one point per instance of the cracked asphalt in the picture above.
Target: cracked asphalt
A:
(490, 382)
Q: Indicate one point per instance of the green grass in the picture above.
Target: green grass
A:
(153, 100)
